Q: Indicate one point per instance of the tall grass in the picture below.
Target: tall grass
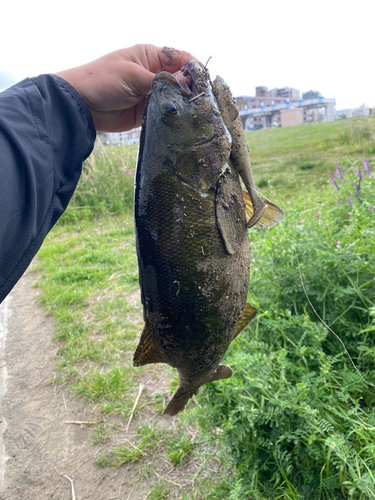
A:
(106, 186)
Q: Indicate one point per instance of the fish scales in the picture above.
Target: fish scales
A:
(187, 275)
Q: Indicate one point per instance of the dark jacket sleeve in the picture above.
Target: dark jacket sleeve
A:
(46, 132)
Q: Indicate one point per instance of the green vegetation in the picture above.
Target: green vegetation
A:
(296, 420)
(286, 159)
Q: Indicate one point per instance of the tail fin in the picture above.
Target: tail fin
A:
(183, 394)
(179, 401)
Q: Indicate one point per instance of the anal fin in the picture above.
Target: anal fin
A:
(146, 352)
(223, 371)
(249, 312)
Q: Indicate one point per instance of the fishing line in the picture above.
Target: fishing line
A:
(316, 313)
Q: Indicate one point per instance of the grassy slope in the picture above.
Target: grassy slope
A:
(89, 278)
(286, 159)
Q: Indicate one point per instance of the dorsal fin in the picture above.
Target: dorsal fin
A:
(249, 312)
(146, 352)
(271, 216)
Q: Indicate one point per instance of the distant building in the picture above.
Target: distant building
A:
(353, 112)
(263, 98)
(266, 108)
(123, 138)
(291, 116)
(287, 93)
(311, 94)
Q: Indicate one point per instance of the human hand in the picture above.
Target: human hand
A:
(115, 86)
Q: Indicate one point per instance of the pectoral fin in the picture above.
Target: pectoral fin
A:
(230, 214)
(272, 215)
(146, 351)
(248, 314)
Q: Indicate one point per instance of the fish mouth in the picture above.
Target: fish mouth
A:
(168, 77)
(200, 84)
(198, 76)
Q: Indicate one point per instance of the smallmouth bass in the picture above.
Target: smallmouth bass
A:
(192, 219)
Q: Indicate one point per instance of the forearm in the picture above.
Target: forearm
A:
(46, 132)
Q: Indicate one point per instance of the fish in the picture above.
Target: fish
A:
(191, 221)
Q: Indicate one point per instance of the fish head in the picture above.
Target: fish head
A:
(186, 115)
(183, 127)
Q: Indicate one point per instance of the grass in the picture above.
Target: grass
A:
(294, 400)
(290, 158)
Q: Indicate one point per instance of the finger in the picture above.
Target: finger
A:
(173, 60)
(138, 79)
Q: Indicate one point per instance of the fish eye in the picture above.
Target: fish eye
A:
(170, 109)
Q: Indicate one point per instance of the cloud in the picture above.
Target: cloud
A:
(7, 79)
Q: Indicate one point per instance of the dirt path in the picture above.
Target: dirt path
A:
(37, 446)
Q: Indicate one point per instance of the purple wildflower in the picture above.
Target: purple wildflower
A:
(334, 182)
(349, 201)
(319, 214)
(356, 194)
(244, 393)
(339, 174)
(365, 162)
(360, 175)
(338, 244)
(338, 202)
(169, 396)
(301, 222)
(350, 213)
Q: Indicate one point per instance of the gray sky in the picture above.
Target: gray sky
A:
(319, 45)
